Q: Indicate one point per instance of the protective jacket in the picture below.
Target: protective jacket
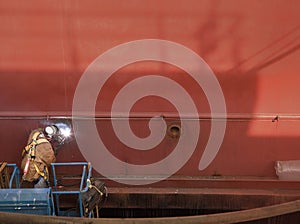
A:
(37, 156)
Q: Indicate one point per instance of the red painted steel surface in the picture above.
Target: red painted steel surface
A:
(252, 47)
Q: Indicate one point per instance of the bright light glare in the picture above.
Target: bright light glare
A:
(66, 132)
(64, 129)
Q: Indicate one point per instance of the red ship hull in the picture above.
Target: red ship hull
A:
(251, 47)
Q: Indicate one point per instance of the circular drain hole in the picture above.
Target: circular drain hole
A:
(174, 131)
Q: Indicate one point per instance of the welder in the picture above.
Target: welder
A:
(37, 156)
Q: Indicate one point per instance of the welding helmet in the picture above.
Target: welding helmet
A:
(51, 130)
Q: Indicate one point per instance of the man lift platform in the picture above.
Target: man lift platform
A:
(46, 201)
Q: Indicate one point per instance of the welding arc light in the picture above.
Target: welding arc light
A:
(64, 129)
(66, 132)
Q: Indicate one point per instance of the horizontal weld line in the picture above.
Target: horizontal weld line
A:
(228, 117)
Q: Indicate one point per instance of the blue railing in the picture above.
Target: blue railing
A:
(14, 176)
(83, 186)
(24, 200)
(40, 200)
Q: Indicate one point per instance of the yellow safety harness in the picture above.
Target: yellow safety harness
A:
(30, 150)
